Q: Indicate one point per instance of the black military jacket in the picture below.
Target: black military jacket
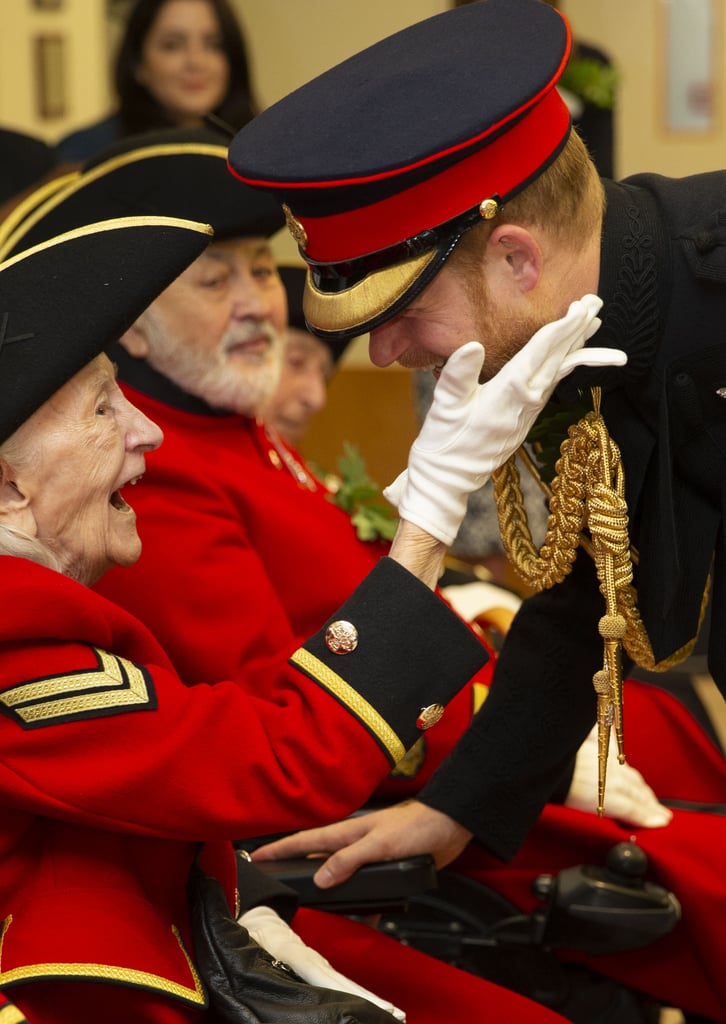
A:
(663, 282)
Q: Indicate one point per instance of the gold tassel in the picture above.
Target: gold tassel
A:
(588, 493)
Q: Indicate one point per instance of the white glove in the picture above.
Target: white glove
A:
(628, 797)
(272, 933)
(471, 429)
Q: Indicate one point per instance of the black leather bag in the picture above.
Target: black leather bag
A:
(246, 985)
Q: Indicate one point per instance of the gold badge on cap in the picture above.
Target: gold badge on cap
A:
(341, 637)
(489, 208)
(294, 226)
(429, 716)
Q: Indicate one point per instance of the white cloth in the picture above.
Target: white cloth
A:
(272, 933)
(471, 429)
(628, 797)
(471, 600)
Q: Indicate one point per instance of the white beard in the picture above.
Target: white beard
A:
(234, 382)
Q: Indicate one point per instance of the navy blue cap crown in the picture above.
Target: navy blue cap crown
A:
(384, 160)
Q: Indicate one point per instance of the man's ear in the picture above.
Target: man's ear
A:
(134, 341)
(14, 504)
(515, 257)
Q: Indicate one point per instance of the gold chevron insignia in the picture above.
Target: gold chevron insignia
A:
(114, 687)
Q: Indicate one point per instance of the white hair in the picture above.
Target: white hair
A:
(17, 542)
(22, 545)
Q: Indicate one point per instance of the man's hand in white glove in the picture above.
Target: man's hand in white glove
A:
(272, 933)
(628, 797)
(472, 429)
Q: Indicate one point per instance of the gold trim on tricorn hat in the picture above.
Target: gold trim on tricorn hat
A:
(174, 172)
(65, 300)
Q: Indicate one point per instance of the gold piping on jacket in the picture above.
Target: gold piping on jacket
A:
(107, 972)
(116, 683)
(345, 693)
(12, 1015)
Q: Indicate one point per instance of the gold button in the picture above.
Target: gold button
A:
(341, 637)
(429, 716)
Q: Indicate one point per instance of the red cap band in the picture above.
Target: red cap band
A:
(498, 168)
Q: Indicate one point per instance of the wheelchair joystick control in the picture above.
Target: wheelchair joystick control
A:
(542, 886)
(607, 909)
(627, 863)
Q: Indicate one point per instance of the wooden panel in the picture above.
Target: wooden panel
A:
(374, 410)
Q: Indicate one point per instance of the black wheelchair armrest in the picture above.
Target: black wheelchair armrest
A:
(373, 889)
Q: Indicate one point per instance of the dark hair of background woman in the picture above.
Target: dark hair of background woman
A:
(139, 111)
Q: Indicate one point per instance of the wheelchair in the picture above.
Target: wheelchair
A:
(590, 909)
(593, 909)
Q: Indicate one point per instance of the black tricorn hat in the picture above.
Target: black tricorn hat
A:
(64, 301)
(24, 160)
(385, 160)
(293, 278)
(175, 172)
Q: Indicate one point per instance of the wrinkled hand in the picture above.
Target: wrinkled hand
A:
(272, 933)
(403, 830)
(471, 429)
(628, 797)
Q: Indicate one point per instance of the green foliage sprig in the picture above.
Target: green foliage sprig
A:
(591, 80)
(360, 496)
(548, 433)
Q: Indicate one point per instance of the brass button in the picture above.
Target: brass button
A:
(488, 208)
(429, 716)
(341, 637)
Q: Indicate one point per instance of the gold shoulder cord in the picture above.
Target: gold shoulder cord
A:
(586, 494)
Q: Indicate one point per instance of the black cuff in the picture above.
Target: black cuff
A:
(400, 650)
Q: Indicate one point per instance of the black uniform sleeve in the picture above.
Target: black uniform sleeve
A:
(407, 652)
(541, 705)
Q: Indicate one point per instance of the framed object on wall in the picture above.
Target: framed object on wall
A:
(691, 58)
(50, 84)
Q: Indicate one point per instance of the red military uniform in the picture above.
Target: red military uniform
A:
(10, 1014)
(113, 773)
(254, 538)
(243, 552)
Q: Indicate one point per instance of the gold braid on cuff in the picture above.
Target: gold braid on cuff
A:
(587, 494)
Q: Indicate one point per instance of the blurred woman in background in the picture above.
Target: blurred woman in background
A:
(179, 61)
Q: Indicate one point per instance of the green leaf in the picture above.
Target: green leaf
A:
(358, 495)
(592, 80)
(548, 433)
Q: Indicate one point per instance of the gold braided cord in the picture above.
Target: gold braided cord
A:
(588, 493)
(578, 499)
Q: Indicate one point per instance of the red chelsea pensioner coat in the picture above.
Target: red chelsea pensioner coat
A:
(232, 537)
(243, 553)
(113, 772)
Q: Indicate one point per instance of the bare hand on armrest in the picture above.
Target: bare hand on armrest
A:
(403, 830)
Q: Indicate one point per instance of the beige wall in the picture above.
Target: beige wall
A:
(633, 33)
(291, 41)
(82, 28)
